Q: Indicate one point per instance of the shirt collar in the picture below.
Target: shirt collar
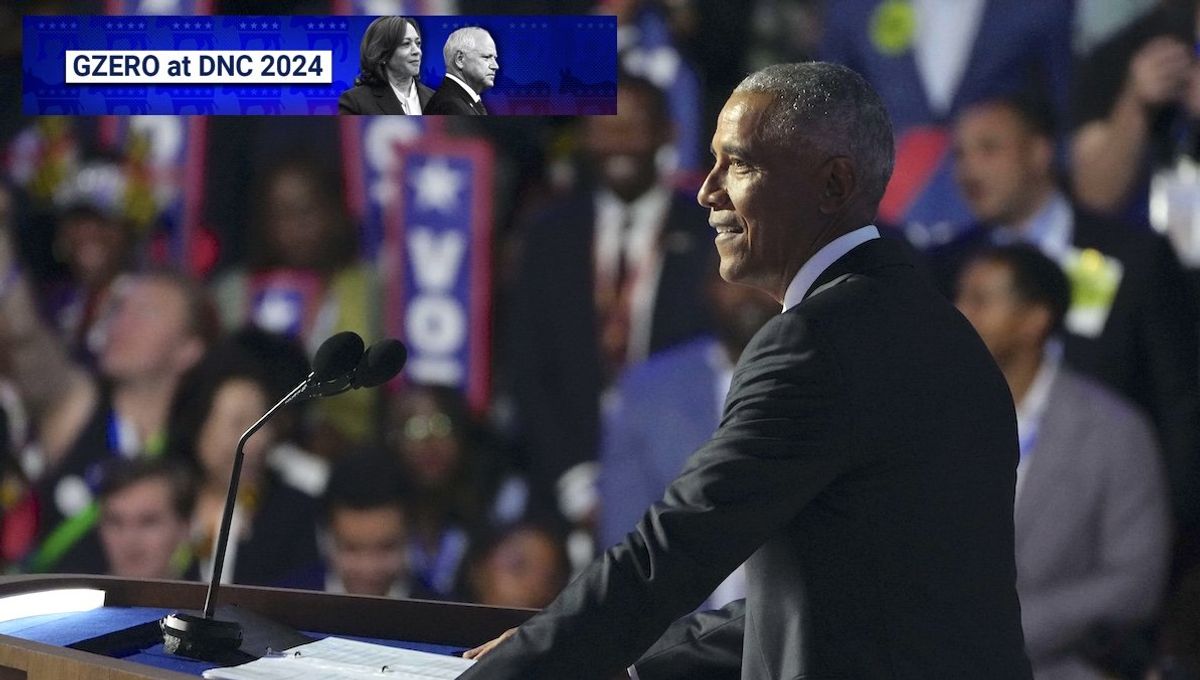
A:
(1033, 404)
(649, 207)
(409, 99)
(471, 91)
(1049, 228)
(816, 265)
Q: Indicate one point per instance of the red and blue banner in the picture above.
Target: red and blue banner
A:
(439, 288)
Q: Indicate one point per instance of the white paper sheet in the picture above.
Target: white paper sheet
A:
(342, 659)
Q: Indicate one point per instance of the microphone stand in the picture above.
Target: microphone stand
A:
(204, 637)
(231, 500)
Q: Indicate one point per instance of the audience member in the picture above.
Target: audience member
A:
(284, 365)
(302, 279)
(664, 408)
(1091, 516)
(1136, 104)
(931, 59)
(274, 526)
(364, 537)
(145, 510)
(524, 565)
(1132, 322)
(606, 277)
(159, 327)
(454, 485)
(649, 48)
(95, 243)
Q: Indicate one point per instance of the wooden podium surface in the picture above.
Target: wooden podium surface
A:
(411, 621)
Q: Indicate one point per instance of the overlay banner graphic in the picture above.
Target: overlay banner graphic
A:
(296, 65)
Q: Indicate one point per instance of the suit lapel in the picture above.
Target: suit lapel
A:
(385, 97)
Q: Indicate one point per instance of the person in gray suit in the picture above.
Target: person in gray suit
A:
(864, 465)
(1091, 513)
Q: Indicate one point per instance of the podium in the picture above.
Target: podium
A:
(36, 653)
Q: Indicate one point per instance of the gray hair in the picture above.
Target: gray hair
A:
(462, 40)
(834, 109)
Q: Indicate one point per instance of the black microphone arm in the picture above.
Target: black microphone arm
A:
(231, 498)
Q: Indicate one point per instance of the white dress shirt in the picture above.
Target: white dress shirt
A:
(819, 262)
(1033, 406)
(409, 100)
(631, 232)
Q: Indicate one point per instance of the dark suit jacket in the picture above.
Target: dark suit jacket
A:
(378, 100)
(1148, 348)
(865, 465)
(552, 328)
(452, 100)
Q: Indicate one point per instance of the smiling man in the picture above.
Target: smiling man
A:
(471, 66)
(865, 462)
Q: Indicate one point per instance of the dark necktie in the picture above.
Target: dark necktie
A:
(477, 107)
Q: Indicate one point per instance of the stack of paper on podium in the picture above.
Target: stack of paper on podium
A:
(342, 659)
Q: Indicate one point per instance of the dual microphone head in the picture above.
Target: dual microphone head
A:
(341, 363)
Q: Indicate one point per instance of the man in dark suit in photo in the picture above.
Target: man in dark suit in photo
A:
(471, 67)
(390, 63)
(864, 467)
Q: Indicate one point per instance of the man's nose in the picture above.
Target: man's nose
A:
(711, 194)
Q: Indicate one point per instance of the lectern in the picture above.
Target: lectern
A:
(52, 646)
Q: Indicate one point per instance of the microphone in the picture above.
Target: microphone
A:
(335, 366)
(380, 364)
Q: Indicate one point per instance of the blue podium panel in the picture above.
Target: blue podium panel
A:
(67, 629)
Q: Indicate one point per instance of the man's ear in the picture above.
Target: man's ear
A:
(841, 184)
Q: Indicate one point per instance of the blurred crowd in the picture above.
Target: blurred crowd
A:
(1048, 173)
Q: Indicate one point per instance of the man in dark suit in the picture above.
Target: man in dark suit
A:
(471, 67)
(606, 276)
(865, 463)
(1132, 321)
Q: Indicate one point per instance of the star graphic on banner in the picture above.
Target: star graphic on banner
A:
(437, 186)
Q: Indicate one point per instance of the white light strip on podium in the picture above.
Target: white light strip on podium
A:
(62, 601)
